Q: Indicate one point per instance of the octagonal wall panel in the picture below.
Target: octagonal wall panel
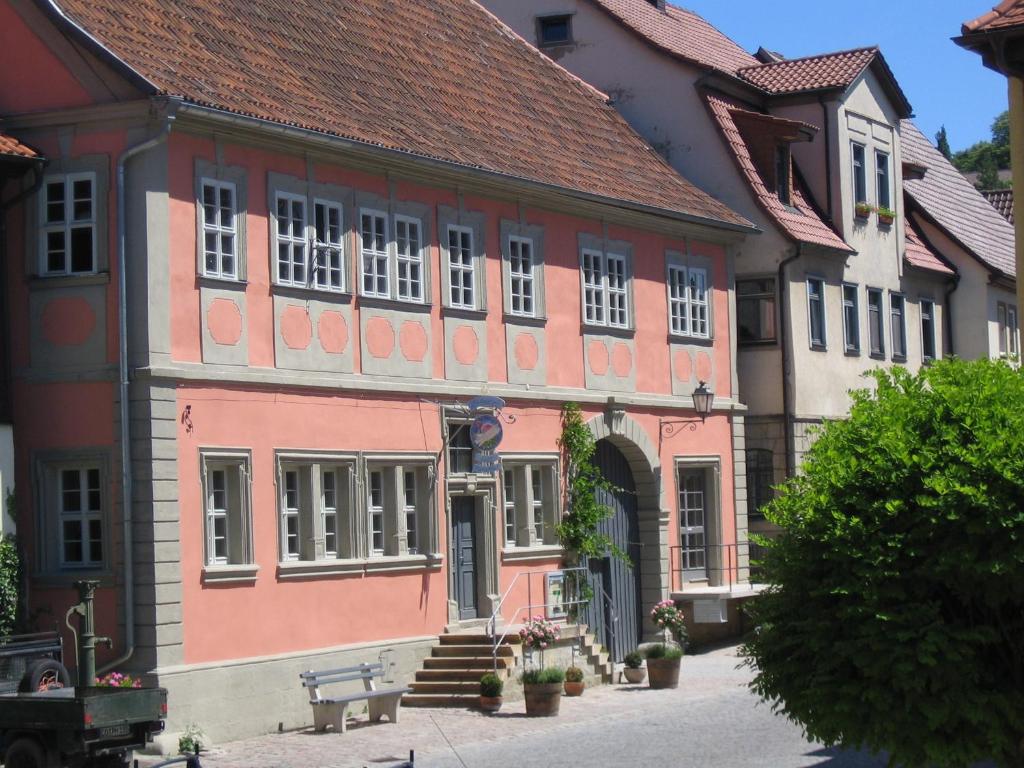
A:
(526, 350)
(69, 326)
(225, 325)
(395, 343)
(314, 334)
(609, 362)
(465, 348)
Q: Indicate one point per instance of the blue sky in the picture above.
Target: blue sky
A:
(944, 83)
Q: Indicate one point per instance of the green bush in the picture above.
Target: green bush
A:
(894, 619)
(662, 651)
(546, 676)
(10, 582)
(491, 685)
(633, 659)
(574, 675)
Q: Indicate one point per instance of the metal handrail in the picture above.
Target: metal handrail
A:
(729, 568)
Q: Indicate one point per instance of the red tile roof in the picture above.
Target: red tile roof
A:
(439, 79)
(680, 33)
(812, 73)
(919, 255)
(800, 221)
(1009, 13)
(11, 146)
(952, 202)
(1001, 200)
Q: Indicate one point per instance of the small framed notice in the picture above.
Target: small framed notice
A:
(555, 594)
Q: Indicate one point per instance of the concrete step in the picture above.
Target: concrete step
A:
(463, 687)
(483, 663)
(468, 638)
(440, 700)
(456, 675)
(470, 651)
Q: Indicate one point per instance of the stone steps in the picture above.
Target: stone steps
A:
(450, 676)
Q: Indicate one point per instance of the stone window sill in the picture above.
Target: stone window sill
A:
(318, 569)
(69, 281)
(390, 564)
(595, 329)
(230, 574)
(530, 554)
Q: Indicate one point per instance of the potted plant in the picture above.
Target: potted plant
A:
(862, 210)
(541, 687)
(886, 215)
(574, 681)
(634, 671)
(491, 687)
(663, 659)
(543, 691)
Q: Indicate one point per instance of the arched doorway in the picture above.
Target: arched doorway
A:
(613, 614)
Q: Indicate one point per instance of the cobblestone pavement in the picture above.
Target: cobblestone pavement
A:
(710, 720)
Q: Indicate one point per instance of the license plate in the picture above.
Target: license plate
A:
(113, 731)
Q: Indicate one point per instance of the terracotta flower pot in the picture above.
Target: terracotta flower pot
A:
(490, 703)
(634, 674)
(574, 689)
(664, 673)
(542, 700)
(885, 220)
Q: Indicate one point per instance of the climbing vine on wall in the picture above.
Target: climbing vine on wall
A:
(578, 530)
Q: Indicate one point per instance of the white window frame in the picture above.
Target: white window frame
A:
(389, 515)
(851, 328)
(215, 461)
(927, 333)
(325, 252)
(521, 283)
(529, 517)
(68, 223)
(416, 291)
(601, 298)
(293, 242)
(378, 258)
(1006, 324)
(823, 344)
(219, 229)
(901, 299)
(410, 512)
(462, 268)
(594, 301)
(690, 308)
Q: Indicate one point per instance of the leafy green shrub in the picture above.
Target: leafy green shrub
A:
(633, 659)
(546, 676)
(491, 685)
(10, 583)
(190, 742)
(894, 619)
(574, 675)
(662, 651)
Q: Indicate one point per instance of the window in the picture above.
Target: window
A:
(398, 503)
(860, 179)
(227, 523)
(605, 289)
(898, 327)
(816, 312)
(329, 251)
(1006, 320)
(692, 520)
(851, 320)
(461, 272)
(373, 228)
(530, 496)
(291, 239)
(883, 199)
(554, 30)
(68, 224)
(782, 188)
(755, 302)
(220, 232)
(409, 254)
(760, 479)
(521, 276)
(876, 323)
(314, 498)
(688, 301)
(927, 329)
(81, 517)
(460, 449)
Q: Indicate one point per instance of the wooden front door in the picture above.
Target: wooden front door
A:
(464, 554)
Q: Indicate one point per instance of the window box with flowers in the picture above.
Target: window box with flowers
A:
(862, 210)
(886, 216)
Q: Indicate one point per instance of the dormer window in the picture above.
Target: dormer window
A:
(882, 177)
(782, 180)
(554, 30)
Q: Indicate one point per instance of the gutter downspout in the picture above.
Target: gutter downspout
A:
(828, 160)
(947, 316)
(126, 434)
(787, 424)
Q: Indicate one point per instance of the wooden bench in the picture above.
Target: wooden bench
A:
(330, 710)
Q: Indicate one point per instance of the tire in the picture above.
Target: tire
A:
(43, 675)
(25, 753)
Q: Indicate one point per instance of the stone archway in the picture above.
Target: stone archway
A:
(632, 441)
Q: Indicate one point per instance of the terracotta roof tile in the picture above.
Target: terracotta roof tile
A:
(799, 221)
(679, 32)
(1009, 13)
(11, 146)
(1001, 200)
(440, 79)
(918, 254)
(812, 73)
(955, 205)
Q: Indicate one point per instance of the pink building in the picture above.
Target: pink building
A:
(340, 224)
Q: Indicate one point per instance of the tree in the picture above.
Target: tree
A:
(987, 157)
(894, 619)
(942, 142)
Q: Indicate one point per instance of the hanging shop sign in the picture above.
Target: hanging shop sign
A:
(485, 434)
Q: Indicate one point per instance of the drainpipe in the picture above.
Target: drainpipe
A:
(126, 434)
(826, 125)
(947, 316)
(786, 362)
